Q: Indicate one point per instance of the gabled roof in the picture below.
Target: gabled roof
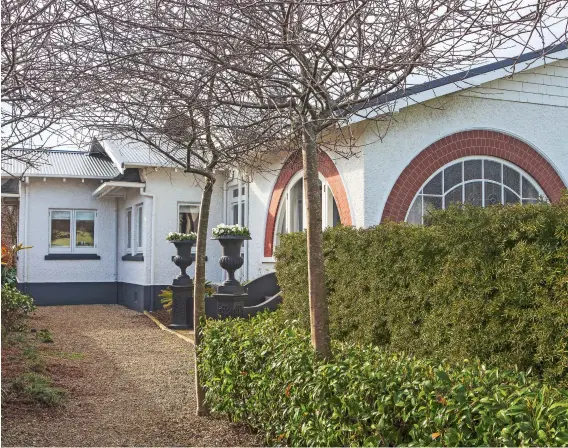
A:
(50, 163)
(129, 152)
(462, 80)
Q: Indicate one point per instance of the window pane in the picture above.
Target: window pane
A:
(236, 193)
(512, 179)
(188, 218)
(242, 213)
(492, 193)
(84, 229)
(60, 229)
(434, 186)
(415, 214)
(140, 226)
(235, 210)
(472, 169)
(454, 196)
(510, 197)
(129, 229)
(452, 176)
(432, 203)
(473, 193)
(492, 170)
(336, 218)
(529, 191)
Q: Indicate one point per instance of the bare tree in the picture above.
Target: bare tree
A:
(38, 67)
(323, 63)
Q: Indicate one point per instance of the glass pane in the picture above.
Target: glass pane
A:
(188, 218)
(492, 193)
(510, 197)
(242, 213)
(473, 193)
(85, 229)
(472, 169)
(432, 203)
(454, 196)
(336, 218)
(512, 179)
(60, 229)
(235, 214)
(140, 226)
(282, 222)
(452, 176)
(529, 191)
(434, 186)
(415, 213)
(129, 229)
(492, 170)
(297, 206)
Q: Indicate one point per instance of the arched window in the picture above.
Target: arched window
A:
(479, 181)
(292, 211)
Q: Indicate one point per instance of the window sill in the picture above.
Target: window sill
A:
(130, 257)
(72, 257)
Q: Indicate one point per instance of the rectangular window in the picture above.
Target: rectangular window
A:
(129, 228)
(139, 228)
(72, 230)
(188, 218)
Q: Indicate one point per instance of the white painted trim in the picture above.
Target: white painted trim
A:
(475, 81)
(108, 187)
(268, 260)
(10, 195)
(152, 235)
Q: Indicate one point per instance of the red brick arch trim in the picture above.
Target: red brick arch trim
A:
(469, 143)
(291, 166)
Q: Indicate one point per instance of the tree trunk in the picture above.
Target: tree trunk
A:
(319, 315)
(199, 287)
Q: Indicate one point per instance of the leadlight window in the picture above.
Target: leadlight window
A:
(475, 181)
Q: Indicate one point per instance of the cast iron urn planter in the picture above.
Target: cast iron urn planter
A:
(183, 260)
(231, 261)
(182, 287)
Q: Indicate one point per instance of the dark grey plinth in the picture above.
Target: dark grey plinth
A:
(230, 305)
(182, 306)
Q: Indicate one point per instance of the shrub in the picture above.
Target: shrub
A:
(39, 388)
(478, 282)
(268, 377)
(15, 306)
(9, 276)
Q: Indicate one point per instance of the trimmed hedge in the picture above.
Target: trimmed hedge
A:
(269, 378)
(488, 283)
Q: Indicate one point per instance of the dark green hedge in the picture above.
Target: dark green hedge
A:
(268, 377)
(490, 283)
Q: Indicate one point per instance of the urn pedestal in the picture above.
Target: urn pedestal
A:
(182, 288)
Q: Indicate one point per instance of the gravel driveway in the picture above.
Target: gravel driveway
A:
(133, 387)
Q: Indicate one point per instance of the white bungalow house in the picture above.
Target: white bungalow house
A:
(97, 220)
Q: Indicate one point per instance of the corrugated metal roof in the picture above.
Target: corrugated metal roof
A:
(134, 153)
(58, 164)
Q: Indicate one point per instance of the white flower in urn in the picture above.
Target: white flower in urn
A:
(177, 236)
(230, 230)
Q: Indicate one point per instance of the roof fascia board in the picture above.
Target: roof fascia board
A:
(60, 176)
(475, 81)
(108, 149)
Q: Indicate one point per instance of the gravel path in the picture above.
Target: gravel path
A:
(133, 386)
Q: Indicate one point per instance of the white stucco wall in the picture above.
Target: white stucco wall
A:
(413, 129)
(41, 196)
(169, 189)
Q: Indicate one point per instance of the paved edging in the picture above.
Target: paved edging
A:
(163, 327)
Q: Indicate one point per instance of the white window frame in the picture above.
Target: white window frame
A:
(503, 162)
(185, 204)
(139, 228)
(285, 204)
(242, 217)
(129, 232)
(73, 231)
